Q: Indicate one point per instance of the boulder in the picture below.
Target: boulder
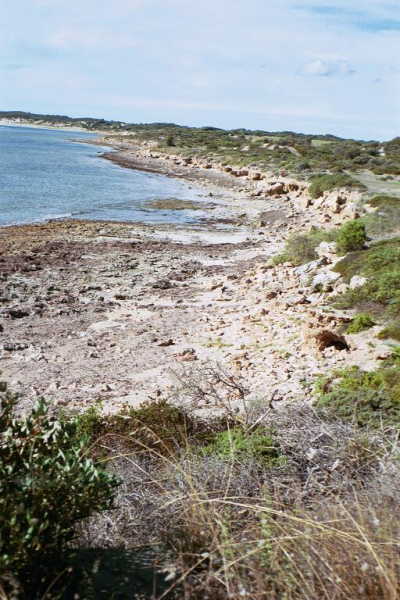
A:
(324, 281)
(326, 249)
(276, 189)
(304, 271)
(356, 281)
(351, 211)
(327, 339)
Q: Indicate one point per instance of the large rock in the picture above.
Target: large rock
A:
(356, 281)
(324, 281)
(335, 202)
(276, 189)
(351, 211)
(304, 271)
(326, 249)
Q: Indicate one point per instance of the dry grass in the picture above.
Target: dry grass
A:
(322, 525)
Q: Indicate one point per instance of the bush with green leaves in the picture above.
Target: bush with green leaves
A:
(326, 183)
(361, 322)
(351, 237)
(300, 249)
(391, 331)
(238, 443)
(48, 484)
(368, 398)
(380, 264)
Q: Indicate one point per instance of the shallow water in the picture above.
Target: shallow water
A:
(44, 174)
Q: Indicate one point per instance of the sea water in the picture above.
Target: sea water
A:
(49, 174)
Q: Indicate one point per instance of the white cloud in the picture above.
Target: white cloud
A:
(195, 61)
(326, 68)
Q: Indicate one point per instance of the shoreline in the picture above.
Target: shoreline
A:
(207, 190)
(29, 125)
(100, 311)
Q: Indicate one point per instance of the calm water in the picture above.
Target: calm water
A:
(44, 174)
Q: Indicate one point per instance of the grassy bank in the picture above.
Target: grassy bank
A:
(268, 504)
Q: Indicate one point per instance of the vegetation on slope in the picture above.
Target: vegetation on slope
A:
(380, 264)
(230, 508)
(369, 398)
(327, 183)
(304, 155)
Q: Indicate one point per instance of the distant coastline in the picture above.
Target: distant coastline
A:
(60, 127)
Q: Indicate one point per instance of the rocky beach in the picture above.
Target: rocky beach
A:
(208, 389)
(113, 312)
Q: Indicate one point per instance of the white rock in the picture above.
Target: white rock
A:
(334, 202)
(351, 211)
(357, 281)
(304, 271)
(325, 280)
(326, 249)
(341, 288)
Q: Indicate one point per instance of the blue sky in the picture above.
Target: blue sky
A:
(310, 66)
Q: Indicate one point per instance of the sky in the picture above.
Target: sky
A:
(312, 66)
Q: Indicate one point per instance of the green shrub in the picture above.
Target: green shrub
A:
(391, 331)
(351, 237)
(381, 265)
(237, 444)
(47, 485)
(156, 426)
(367, 398)
(385, 219)
(300, 249)
(326, 183)
(360, 322)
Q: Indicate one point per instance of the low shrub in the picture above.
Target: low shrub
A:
(368, 398)
(380, 264)
(47, 485)
(300, 249)
(156, 425)
(391, 331)
(239, 444)
(360, 322)
(326, 183)
(351, 237)
(385, 219)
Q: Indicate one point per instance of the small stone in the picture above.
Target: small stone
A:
(169, 342)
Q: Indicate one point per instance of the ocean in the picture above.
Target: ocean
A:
(46, 174)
